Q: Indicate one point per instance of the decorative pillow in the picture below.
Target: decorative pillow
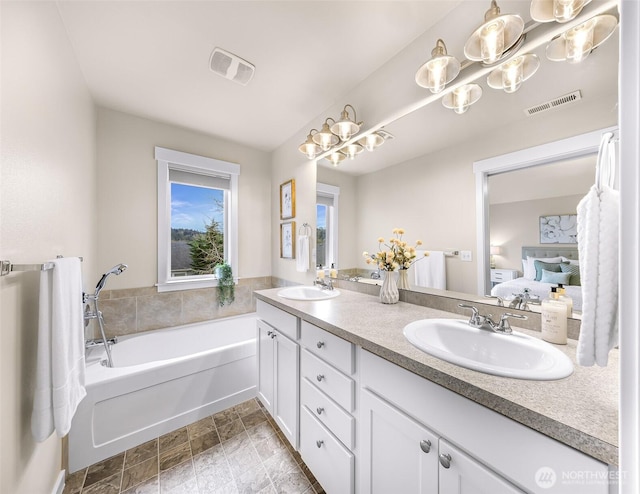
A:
(553, 277)
(574, 270)
(570, 261)
(530, 270)
(549, 266)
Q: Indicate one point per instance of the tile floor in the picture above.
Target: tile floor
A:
(240, 450)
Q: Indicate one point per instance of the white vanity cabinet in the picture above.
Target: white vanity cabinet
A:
(278, 368)
(327, 402)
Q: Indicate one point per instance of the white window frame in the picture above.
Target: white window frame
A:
(177, 160)
(333, 192)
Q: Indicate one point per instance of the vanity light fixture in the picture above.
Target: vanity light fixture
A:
(556, 10)
(353, 149)
(372, 141)
(310, 148)
(325, 138)
(345, 127)
(495, 37)
(510, 75)
(460, 99)
(440, 70)
(336, 157)
(577, 43)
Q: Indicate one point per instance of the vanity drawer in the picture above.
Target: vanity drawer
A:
(339, 422)
(331, 381)
(329, 461)
(284, 322)
(329, 347)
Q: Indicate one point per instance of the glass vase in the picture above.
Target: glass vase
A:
(389, 289)
(403, 279)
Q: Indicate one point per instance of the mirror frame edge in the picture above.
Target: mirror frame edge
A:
(571, 147)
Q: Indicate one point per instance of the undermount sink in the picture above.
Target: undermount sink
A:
(510, 355)
(307, 293)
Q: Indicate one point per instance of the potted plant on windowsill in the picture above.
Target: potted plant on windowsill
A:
(226, 284)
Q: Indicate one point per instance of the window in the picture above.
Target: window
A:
(327, 224)
(197, 219)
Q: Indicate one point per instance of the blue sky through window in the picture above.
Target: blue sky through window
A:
(321, 216)
(194, 207)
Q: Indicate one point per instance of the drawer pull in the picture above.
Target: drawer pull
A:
(425, 445)
(319, 443)
(319, 410)
(320, 344)
(273, 335)
(269, 333)
(320, 377)
(445, 460)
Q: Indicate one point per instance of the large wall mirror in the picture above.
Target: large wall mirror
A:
(422, 179)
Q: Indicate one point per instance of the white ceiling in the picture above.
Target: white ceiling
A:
(151, 58)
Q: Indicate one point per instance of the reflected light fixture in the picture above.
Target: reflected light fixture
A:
(440, 70)
(577, 43)
(310, 148)
(353, 149)
(336, 157)
(556, 10)
(345, 127)
(510, 75)
(325, 138)
(375, 139)
(460, 99)
(495, 37)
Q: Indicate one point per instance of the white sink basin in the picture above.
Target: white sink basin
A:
(307, 293)
(515, 355)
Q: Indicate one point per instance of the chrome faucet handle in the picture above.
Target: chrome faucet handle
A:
(499, 299)
(504, 326)
(476, 319)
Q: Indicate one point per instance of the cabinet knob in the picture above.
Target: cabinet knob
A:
(425, 445)
(320, 344)
(319, 410)
(273, 335)
(319, 443)
(445, 460)
(320, 377)
(269, 333)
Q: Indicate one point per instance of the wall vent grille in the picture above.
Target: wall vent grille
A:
(554, 103)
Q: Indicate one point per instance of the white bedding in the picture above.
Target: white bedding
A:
(508, 289)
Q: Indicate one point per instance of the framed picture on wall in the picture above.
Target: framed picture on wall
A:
(287, 242)
(288, 200)
(559, 229)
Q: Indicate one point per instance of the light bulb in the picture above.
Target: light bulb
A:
(461, 100)
(512, 75)
(565, 10)
(371, 141)
(492, 41)
(437, 74)
(579, 42)
(335, 158)
(353, 149)
(310, 150)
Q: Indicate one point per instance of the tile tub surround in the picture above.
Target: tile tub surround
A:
(135, 310)
(239, 450)
(580, 411)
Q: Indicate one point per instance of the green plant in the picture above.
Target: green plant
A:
(226, 284)
(207, 249)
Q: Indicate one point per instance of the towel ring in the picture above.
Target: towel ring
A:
(305, 229)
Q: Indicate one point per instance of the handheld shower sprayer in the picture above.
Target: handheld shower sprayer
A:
(118, 269)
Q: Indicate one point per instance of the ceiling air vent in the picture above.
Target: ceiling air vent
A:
(554, 103)
(231, 66)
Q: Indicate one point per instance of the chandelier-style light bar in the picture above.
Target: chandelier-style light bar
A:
(309, 147)
(556, 10)
(460, 99)
(440, 70)
(495, 37)
(325, 138)
(510, 75)
(345, 127)
(577, 43)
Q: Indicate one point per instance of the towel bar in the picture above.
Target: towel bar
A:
(7, 267)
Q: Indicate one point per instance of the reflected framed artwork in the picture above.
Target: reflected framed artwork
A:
(559, 229)
(287, 242)
(288, 200)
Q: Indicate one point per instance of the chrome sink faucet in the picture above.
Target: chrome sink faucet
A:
(485, 322)
(325, 283)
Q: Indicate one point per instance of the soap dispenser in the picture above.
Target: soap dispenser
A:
(320, 272)
(563, 297)
(554, 319)
(333, 273)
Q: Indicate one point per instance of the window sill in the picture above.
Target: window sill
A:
(176, 285)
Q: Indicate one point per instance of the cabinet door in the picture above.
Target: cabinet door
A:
(265, 365)
(287, 387)
(398, 453)
(461, 474)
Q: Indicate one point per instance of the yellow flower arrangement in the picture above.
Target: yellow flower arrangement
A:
(398, 255)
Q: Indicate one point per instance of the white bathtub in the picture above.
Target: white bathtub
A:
(162, 380)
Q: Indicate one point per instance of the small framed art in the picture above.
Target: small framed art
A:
(287, 242)
(559, 229)
(288, 200)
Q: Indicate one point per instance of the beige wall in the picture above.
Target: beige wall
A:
(127, 195)
(516, 224)
(47, 208)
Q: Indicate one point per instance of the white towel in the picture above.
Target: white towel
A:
(60, 359)
(302, 257)
(430, 271)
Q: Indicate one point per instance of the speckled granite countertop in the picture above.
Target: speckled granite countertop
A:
(580, 411)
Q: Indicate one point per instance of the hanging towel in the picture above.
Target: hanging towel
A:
(598, 225)
(431, 271)
(302, 259)
(60, 357)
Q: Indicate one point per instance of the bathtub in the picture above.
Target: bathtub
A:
(162, 380)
